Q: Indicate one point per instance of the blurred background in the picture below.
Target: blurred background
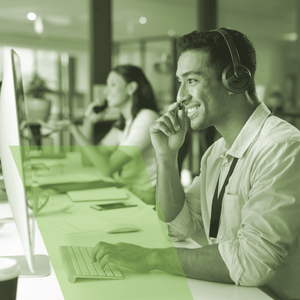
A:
(68, 47)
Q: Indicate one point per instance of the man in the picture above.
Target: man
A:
(251, 218)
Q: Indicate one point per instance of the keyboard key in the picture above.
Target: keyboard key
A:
(84, 266)
(108, 271)
(118, 273)
(78, 271)
(93, 272)
(100, 270)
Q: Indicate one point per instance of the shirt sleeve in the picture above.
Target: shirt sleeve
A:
(189, 220)
(270, 217)
(139, 133)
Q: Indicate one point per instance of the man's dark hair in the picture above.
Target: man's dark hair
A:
(213, 43)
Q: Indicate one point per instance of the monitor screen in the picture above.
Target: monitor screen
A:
(23, 127)
(14, 151)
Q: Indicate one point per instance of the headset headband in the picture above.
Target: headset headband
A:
(233, 53)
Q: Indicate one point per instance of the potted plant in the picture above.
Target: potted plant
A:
(37, 105)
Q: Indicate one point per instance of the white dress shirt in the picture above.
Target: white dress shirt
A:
(259, 231)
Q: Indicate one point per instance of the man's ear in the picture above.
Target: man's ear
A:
(132, 87)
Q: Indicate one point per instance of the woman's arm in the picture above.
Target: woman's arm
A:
(107, 159)
(110, 159)
(86, 130)
(83, 134)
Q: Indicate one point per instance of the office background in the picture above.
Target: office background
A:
(73, 43)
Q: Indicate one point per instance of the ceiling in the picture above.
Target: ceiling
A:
(67, 21)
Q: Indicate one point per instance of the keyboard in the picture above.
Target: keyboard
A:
(78, 264)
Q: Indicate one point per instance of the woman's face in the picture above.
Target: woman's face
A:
(116, 90)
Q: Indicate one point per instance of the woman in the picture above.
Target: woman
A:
(126, 152)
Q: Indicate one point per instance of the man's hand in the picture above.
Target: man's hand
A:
(126, 255)
(168, 132)
(138, 258)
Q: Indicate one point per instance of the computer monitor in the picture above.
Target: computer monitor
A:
(15, 161)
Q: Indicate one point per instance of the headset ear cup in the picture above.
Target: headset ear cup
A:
(234, 84)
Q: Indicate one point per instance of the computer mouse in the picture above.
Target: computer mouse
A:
(121, 228)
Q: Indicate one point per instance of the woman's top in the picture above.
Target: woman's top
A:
(135, 141)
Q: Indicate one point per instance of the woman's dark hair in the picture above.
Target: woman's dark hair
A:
(213, 43)
(143, 97)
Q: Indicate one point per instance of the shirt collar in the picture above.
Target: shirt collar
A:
(248, 132)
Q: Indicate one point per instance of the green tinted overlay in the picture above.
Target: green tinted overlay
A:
(62, 183)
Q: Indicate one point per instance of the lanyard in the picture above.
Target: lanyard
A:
(217, 203)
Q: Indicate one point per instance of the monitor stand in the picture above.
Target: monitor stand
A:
(41, 264)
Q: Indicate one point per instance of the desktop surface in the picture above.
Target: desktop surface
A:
(65, 223)
(68, 174)
(151, 285)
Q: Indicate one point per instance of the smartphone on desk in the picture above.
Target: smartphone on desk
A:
(112, 206)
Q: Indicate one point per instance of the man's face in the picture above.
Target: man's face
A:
(205, 98)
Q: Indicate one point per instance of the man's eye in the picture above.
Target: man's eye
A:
(178, 83)
(190, 81)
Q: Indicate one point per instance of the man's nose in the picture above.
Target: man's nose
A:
(182, 94)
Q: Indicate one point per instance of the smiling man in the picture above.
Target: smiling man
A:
(247, 196)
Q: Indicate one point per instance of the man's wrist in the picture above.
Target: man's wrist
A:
(165, 259)
(153, 259)
(168, 158)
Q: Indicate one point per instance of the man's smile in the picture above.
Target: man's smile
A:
(191, 111)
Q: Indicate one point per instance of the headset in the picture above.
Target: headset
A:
(236, 77)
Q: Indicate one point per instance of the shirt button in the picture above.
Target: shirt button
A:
(221, 237)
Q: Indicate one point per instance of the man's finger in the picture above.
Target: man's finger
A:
(95, 250)
(160, 126)
(173, 106)
(182, 118)
(172, 118)
(109, 258)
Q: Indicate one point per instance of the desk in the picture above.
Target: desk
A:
(65, 170)
(152, 285)
(68, 173)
